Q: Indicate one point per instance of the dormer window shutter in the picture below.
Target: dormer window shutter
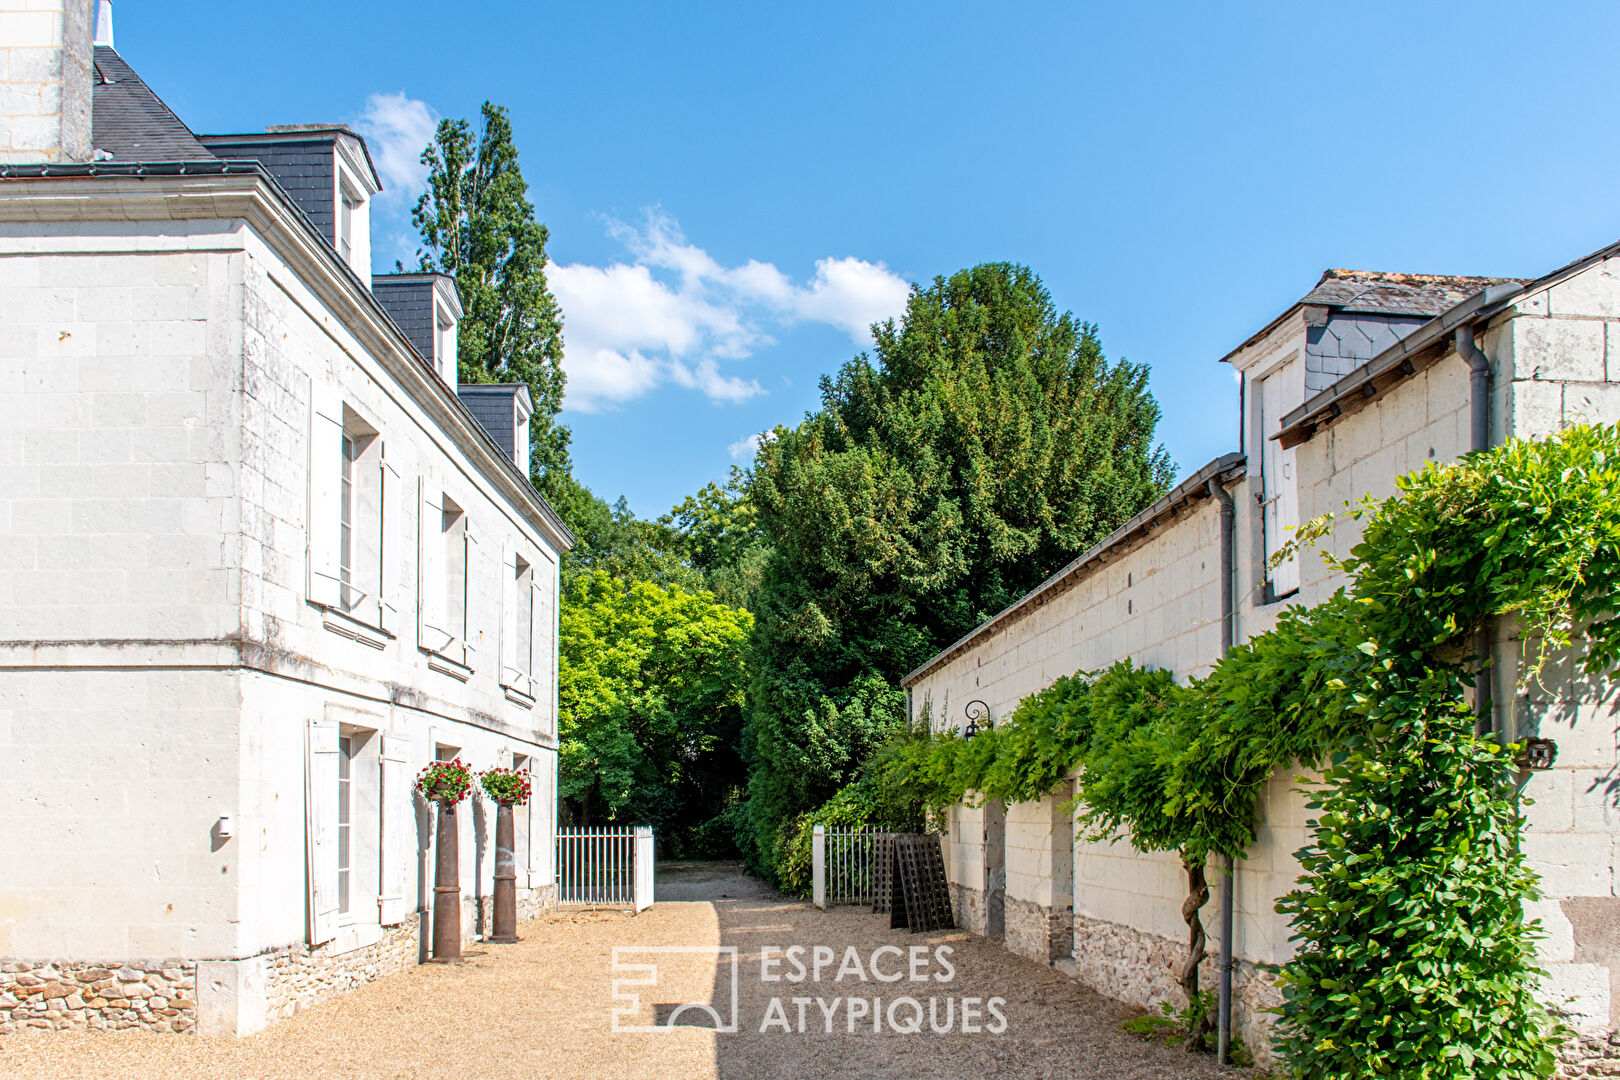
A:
(325, 494)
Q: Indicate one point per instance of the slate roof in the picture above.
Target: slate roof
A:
(1375, 291)
(132, 123)
(1394, 294)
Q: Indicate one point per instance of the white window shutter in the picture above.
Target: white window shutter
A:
(325, 493)
(474, 565)
(397, 828)
(538, 634)
(320, 815)
(509, 617)
(391, 534)
(430, 570)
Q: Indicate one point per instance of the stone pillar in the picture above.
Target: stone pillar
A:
(46, 72)
(995, 869)
(505, 922)
(1061, 914)
(447, 929)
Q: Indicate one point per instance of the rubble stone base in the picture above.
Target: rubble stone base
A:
(61, 996)
(968, 905)
(1038, 932)
(299, 976)
(1590, 1056)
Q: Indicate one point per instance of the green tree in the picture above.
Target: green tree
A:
(650, 695)
(717, 533)
(478, 226)
(987, 442)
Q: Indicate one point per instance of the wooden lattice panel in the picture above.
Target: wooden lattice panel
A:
(918, 894)
(882, 873)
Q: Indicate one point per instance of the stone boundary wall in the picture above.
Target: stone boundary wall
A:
(72, 996)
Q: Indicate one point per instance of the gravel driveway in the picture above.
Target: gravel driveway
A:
(541, 1008)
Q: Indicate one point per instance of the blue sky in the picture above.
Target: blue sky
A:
(733, 190)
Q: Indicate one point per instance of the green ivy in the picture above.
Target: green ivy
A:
(1415, 959)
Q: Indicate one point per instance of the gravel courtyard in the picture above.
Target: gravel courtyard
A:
(541, 1009)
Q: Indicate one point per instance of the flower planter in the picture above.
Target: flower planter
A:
(508, 788)
(445, 784)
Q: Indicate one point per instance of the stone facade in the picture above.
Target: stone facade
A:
(201, 396)
(1151, 594)
(69, 995)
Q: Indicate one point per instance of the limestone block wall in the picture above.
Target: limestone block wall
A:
(45, 80)
(111, 782)
(116, 460)
(1425, 418)
(1157, 604)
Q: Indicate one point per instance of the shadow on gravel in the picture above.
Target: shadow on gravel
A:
(973, 1009)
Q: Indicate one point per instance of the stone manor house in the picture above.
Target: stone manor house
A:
(261, 559)
(1367, 377)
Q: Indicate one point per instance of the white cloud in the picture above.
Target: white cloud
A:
(674, 314)
(747, 446)
(397, 129)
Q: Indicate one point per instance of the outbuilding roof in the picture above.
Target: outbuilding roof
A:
(1379, 292)
(1428, 343)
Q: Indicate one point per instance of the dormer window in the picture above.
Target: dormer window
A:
(348, 203)
(444, 343)
(327, 172)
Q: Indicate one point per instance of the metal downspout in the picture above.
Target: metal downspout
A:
(1479, 438)
(1223, 1029)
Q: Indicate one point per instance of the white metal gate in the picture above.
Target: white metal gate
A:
(842, 860)
(607, 866)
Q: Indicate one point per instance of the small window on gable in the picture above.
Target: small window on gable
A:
(1278, 393)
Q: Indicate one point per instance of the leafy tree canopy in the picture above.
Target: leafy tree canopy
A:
(478, 226)
(985, 442)
(650, 695)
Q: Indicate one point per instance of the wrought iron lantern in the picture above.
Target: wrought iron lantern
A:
(1538, 754)
(976, 711)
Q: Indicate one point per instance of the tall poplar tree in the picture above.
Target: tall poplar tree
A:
(478, 226)
(986, 442)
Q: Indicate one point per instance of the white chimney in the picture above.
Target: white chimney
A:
(104, 24)
(47, 61)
